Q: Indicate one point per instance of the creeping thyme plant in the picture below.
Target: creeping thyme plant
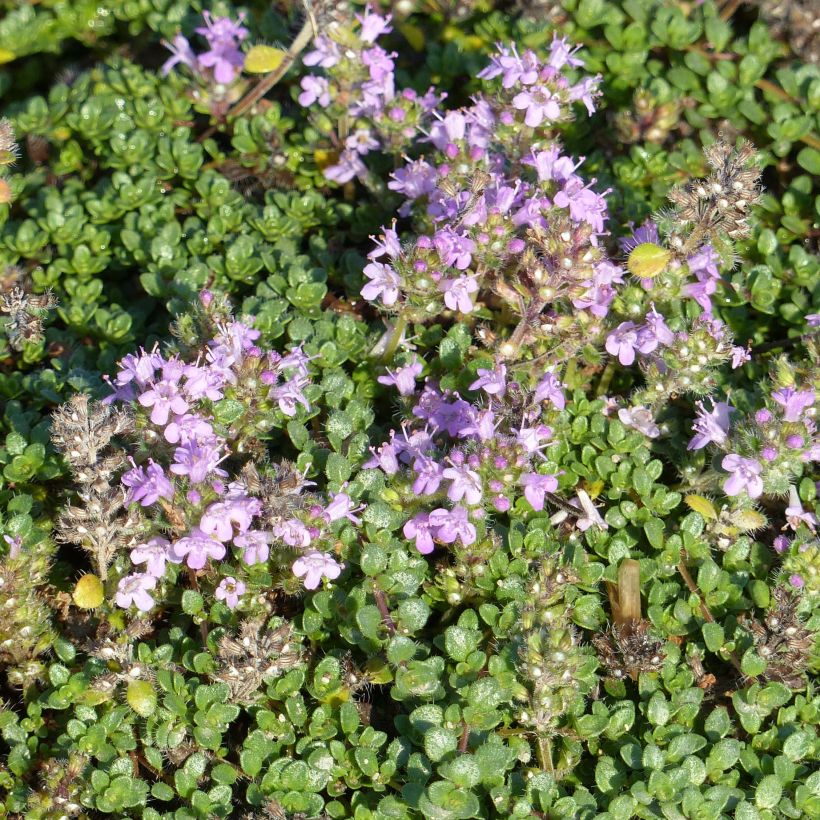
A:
(409, 412)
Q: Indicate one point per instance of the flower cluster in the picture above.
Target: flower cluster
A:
(465, 459)
(222, 61)
(357, 87)
(194, 425)
(500, 209)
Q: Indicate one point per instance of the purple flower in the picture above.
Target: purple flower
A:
(704, 265)
(403, 378)
(457, 293)
(154, 554)
(745, 474)
(229, 590)
(429, 474)
(415, 180)
(710, 426)
(195, 549)
(418, 528)
(198, 460)
(795, 514)
(349, 166)
(797, 581)
(139, 368)
(289, 395)
(164, 398)
(133, 589)
(384, 282)
(530, 438)
(189, 427)
(536, 486)
(451, 525)
(454, 250)
(794, 402)
(373, 26)
(549, 389)
(294, 533)
(492, 381)
(147, 485)
(551, 165)
(740, 355)
(465, 484)
(387, 244)
(15, 545)
(224, 56)
(512, 68)
(314, 566)
(586, 91)
(482, 426)
(202, 383)
(314, 89)
(657, 327)
(640, 418)
(325, 53)
(540, 104)
(561, 54)
(781, 544)
(181, 52)
(220, 517)
(254, 544)
(622, 342)
(813, 319)
(361, 141)
(341, 506)
(583, 203)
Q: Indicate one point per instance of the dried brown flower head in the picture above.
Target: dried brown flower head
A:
(256, 654)
(83, 431)
(26, 313)
(629, 649)
(783, 640)
(721, 202)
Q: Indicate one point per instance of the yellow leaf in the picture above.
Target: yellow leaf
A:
(324, 158)
(748, 520)
(89, 592)
(648, 260)
(142, 697)
(594, 488)
(6, 56)
(701, 505)
(263, 59)
(414, 35)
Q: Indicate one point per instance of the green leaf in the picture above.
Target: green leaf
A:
(768, 792)
(713, 636)
(809, 158)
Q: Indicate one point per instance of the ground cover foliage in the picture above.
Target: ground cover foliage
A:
(409, 411)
